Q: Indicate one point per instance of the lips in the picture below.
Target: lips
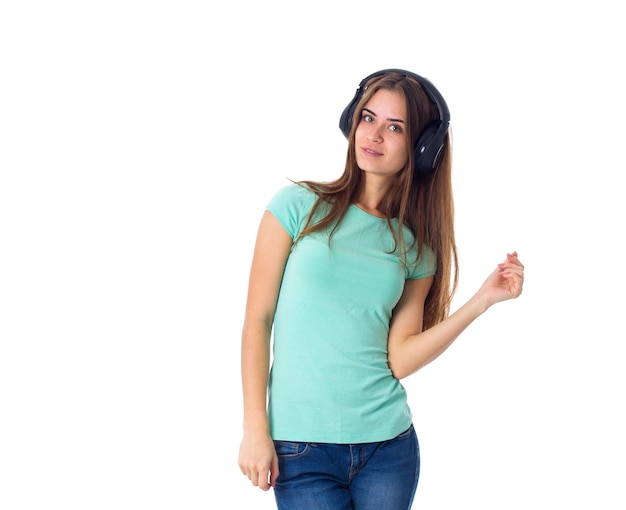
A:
(370, 152)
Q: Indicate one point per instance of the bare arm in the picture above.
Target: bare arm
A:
(410, 348)
(257, 457)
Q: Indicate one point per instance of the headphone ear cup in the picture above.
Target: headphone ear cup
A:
(428, 149)
(345, 121)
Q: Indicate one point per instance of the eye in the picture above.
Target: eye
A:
(366, 117)
(395, 128)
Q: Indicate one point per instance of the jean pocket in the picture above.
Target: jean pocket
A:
(290, 449)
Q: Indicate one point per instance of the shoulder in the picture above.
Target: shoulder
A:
(291, 205)
(297, 191)
(293, 193)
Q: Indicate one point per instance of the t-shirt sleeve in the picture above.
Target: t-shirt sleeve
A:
(291, 205)
(425, 266)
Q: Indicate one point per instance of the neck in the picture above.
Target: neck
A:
(372, 195)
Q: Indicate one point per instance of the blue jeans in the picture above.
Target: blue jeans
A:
(367, 476)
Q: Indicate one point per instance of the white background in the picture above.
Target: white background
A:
(139, 144)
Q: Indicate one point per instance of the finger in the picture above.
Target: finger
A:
(251, 476)
(249, 473)
(513, 258)
(261, 481)
(512, 265)
(514, 281)
(274, 472)
(510, 269)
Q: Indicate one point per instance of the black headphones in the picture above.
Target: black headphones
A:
(430, 143)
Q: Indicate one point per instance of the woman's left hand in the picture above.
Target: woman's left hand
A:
(506, 281)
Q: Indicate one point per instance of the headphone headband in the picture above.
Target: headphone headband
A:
(429, 144)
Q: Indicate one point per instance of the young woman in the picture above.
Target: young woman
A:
(355, 279)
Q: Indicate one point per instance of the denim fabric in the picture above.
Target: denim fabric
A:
(366, 476)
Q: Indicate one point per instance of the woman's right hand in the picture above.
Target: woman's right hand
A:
(258, 460)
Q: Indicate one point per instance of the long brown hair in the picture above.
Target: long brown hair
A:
(422, 202)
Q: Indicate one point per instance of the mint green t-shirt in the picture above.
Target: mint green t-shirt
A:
(330, 381)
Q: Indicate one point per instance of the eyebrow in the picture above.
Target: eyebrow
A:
(392, 120)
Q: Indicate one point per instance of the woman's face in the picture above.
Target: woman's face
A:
(381, 145)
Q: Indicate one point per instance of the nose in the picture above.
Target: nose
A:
(375, 135)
